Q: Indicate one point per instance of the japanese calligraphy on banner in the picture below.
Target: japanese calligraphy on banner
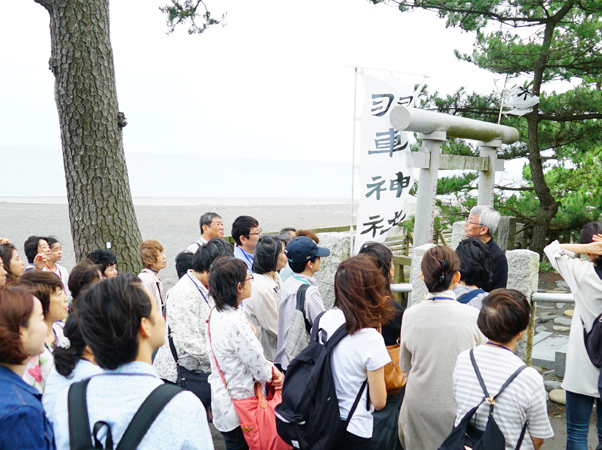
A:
(385, 161)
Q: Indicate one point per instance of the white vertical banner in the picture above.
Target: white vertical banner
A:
(385, 161)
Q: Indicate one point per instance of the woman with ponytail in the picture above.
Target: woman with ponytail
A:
(73, 362)
(434, 332)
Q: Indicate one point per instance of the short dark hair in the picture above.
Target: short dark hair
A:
(206, 254)
(242, 227)
(587, 234)
(285, 234)
(226, 272)
(183, 263)
(42, 285)
(6, 253)
(504, 314)
(383, 258)
(51, 241)
(476, 262)
(84, 274)
(439, 264)
(65, 359)
(103, 258)
(111, 313)
(266, 254)
(298, 267)
(30, 247)
(16, 306)
(206, 219)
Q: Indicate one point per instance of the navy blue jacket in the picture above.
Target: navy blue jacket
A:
(23, 422)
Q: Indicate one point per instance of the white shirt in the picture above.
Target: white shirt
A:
(188, 307)
(287, 300)
(352, 358)
(581, 376)
(524, 400)
(241, 360)
(63, 274)
(150, 280)
(192, 248)
(261, 309)
(181, 425)
(56, 383)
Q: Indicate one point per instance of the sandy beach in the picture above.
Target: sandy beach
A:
(174, 222)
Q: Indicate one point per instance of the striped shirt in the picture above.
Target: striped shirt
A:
(287, 300)
(524, 400)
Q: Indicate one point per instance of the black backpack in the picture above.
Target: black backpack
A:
(466, 435)
(309, 416)
(80, 437)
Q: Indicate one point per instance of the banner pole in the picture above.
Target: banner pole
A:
(353, 164)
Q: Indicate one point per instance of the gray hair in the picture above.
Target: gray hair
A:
(206, 219)
(285, 234)
(488, 217)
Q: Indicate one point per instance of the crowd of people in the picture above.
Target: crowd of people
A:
(91, 357)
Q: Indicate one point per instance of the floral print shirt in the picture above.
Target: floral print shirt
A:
(240, 357)
(188, 307)
(38, 368)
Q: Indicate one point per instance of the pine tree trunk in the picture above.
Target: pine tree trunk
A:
(100, 202)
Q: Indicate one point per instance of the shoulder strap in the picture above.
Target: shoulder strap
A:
(337, 336)
(356, 402)
(172, 347)
(314, 331)
(470, 295)
(146, 415)
(301, 304)
(80, 437)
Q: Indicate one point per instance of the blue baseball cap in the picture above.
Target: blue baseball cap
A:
(302, 249)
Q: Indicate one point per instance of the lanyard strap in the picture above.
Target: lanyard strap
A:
(302, 281)
(442, 298)
(500, 346)
(199, 289)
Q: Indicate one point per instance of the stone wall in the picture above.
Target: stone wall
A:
(339, 246)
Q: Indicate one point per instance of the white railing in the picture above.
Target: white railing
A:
(541, 297)
(401, 287)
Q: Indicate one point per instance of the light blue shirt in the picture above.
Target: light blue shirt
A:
(245, 257)
(115, 399)
(56, 383)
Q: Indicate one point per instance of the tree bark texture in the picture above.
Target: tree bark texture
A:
(100, 202)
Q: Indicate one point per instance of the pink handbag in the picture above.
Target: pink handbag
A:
(256, 414)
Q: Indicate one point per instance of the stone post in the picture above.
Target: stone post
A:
(487, 177)
(523, 275)
(457, 234)
(339, 244)
(419, 289)
(427, 188)
(506, 233)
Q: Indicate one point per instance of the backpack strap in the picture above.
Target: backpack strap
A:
(491, 400)
(356, 402)
(80, 437)
(301, 304)
(146, 415)
(172, 347)
(314, 331)
(470, 295)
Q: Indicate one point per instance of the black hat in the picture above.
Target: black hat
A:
(302, 249)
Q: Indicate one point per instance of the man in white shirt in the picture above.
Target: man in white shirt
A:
(246, 233)
(123, 326)
(212, 226)
(304, 259)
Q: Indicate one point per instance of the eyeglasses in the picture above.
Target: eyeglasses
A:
(476, 224)
(259, 233)
(250, 278)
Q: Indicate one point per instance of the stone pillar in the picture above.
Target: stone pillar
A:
(339, 245)
(419, 289)
(457, 234)
(506, 233)
(427, 188)
(487, 177)
(523, 275)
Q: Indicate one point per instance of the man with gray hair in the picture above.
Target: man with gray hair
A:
(212, 226)
(482, 223)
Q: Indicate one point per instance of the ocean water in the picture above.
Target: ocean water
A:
(39, 174)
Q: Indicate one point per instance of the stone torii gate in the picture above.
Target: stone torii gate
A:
(434, 128)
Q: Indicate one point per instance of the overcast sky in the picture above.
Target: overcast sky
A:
(272, 83)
